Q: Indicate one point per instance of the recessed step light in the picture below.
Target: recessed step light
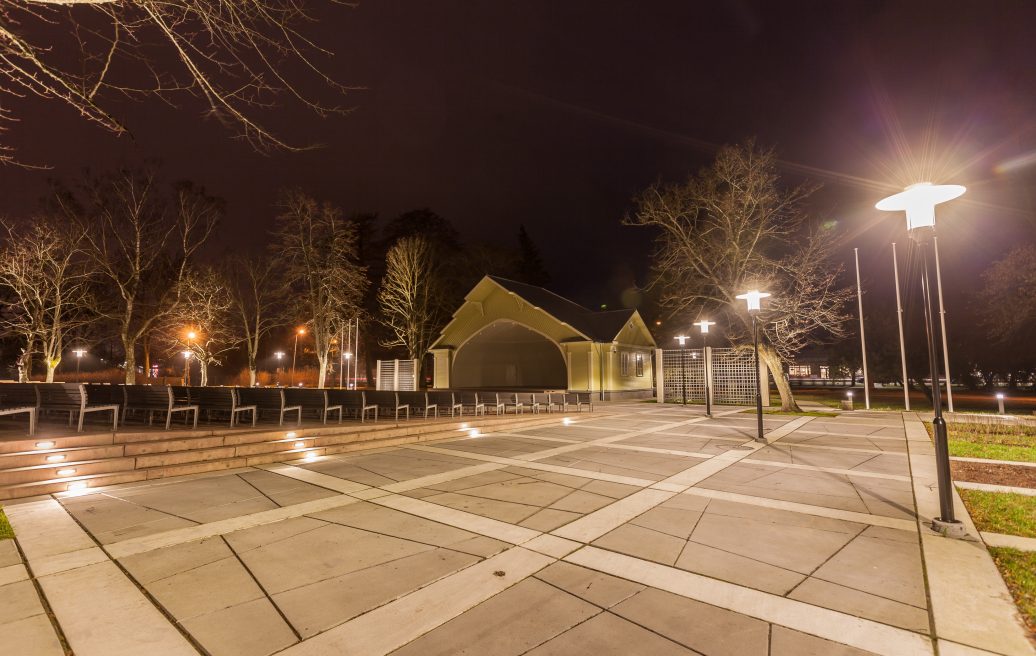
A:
(299, 445)
(57, 457)
(66, 472)
(44, 445)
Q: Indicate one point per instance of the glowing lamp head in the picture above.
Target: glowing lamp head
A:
(191, 335)
(186, 355)
(79, 352)
(704, 325)
(849, 394)
(752, 298)
(302, 331)
(279, 354)
(682, 339)
(1000, 396)
(918, 201)
(348, 355)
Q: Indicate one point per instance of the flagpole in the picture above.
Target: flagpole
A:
(942, 324)
(902, 343)
(863, 339)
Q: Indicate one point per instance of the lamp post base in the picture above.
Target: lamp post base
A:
(954, 529)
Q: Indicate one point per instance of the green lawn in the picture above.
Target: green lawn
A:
(1019, 571)
(992, 440)
(1001, 512)
(6, 532)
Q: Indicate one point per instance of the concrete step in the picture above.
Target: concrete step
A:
(44, 441)
(160, 454)
(50, 471)
(51, 456)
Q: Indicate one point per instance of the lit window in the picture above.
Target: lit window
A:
(624, 364)
(798, 370)
(825, 372)
(640, 364)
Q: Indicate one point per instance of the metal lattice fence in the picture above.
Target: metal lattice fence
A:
(683, 371)
(732, 372)
(399, 375)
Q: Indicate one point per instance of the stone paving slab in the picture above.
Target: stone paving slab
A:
(597, 537)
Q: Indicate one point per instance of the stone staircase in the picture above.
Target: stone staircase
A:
(54, 462)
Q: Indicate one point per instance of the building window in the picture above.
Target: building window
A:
(798, 370)
(640, 364)
(624, 364)
(825, 372)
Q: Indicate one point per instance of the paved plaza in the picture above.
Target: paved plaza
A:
(638, 529)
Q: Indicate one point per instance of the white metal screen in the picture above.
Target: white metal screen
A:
(732, 372)
(397, 375)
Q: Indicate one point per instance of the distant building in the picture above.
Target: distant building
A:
(510, 335)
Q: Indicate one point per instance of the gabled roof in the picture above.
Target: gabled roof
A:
(598, 326)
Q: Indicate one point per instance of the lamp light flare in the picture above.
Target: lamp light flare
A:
(704, 325)
(474, 432)
(753, 298)
(77, 486)
(919, 201)
(567, 421)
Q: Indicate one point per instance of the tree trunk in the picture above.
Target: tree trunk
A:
(773, 363)
(322, 371)
(131, 362)
(203, 367)
(147, 355)
(52, 366)
(253, 374)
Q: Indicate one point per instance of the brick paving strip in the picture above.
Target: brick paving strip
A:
(73, 570)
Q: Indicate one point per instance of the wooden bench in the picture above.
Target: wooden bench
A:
(269, 399)
(221, 399)
(72, 398)
(444, 400)
(386, 401)
(155, 398)
(312, 400)
(18, 398)
(470, 401)
(352, 403)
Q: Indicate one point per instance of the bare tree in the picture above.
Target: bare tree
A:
(234, 56)
(42, 265)
(411, 298)
(317, 256)
(140, 245)
(733, 228)
(1007, 299)
(257, 299)
(203, 322)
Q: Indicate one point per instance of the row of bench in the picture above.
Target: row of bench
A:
(78, 399)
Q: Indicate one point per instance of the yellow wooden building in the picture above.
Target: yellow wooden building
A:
(509, 335)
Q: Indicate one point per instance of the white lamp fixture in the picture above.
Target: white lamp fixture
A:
(704, 325)
(752, 298)
(682, 339)
(919, 201)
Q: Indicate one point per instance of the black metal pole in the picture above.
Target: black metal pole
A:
(683, 372)
(758, 394)
(942, 450)
(705, 354)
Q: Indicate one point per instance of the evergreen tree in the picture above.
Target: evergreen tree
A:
(531, 269)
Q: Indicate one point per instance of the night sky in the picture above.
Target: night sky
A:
(554, 114)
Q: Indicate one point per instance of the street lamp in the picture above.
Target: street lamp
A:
(752, 298)
(187, 358)
(683, 365)
(295, 352)
(918, 202)
(79, 353)
(279, 355)
(348, 358)
(704, 326)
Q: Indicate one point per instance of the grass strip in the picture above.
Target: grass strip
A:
(1001, 512)
(6, 532)
(1019, 571)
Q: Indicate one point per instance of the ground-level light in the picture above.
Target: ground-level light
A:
(1000, 402)
(44, 445)
(474, 433)
(299, 445)
(66, 472)
(58, 457)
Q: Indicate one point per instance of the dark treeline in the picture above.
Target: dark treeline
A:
(121, 272)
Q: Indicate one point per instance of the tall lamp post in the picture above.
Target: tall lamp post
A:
(79, 353)
(348, 363)
(295, 353)
(279, 355)
(752, 298)
(918, 202)
(704, 326)
(187, 358)
(683, 365)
